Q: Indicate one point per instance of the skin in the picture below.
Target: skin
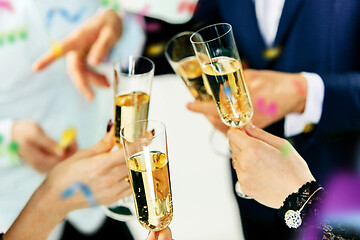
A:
(36, 148)
(161, 235)
(265, 171)
(102, 171)
(281, 89)
(84, 48)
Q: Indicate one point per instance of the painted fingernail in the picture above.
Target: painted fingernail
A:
(109, 125)
(153, 132)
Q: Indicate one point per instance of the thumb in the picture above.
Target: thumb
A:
(200, 107)
(264, 136)
(105, 145)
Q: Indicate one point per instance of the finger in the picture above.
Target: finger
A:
(77, 70)
(264, 136)
(201, 107)
(102, 46)
(239, 139)
(68, 44)
(97, 79)
(40, 160)
(46, 144)
(160, 235)
(103, 146)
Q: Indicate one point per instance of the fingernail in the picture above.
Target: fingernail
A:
(250, 126)
(109, 126)
(189, 106)
(153, 132)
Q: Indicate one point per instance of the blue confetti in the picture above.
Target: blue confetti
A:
(65, 14)
(85, 190)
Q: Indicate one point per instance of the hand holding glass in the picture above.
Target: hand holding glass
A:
(220, 61)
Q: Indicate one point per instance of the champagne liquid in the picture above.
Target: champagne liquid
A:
(151, 189)
(190, 71)
(130, 108)
(229, 89)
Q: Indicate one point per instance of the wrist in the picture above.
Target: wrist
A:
(297, 205)
(300, 84)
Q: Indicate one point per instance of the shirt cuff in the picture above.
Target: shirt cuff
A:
(295, 123)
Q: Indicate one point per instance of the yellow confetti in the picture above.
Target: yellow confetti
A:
(155, 49)
(56, 49)
(67, 138)
(272, 53)
(309, 128)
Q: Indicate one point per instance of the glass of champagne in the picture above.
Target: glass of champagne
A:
(220, 62)
(182, 58)
(132, 87)
(148, 165)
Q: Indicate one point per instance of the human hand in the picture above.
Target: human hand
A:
(209, 110)
(160, 235)
(102, 171)
(268, 167)
(275, 94)
(88, 44)
(36, 148)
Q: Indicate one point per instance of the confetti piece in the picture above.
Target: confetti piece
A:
(114, 4)
(13, 147)
(187, 6)
(272, 53)
(56, 49)
(299, 87)
(67, 138)
(271, 109)
(23, 33)
(309, 128)
(286, 149)
(6, 6)
(84, 189)
(153, 27)
(155, 49)
(73, 18)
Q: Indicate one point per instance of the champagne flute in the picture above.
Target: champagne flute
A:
(148, 165)
(182, 58)
(220, 62)
(132, 87)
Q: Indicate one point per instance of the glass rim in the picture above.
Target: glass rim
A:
(175, 37)
(213, 39)
(157, 133)
(118, 60)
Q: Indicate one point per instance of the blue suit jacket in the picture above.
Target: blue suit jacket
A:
(320, 36)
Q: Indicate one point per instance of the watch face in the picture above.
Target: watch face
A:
(292, 219)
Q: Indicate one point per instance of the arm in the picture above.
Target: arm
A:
(102, 171)
(341, 107)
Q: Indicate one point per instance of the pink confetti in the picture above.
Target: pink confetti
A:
(6, 5)
(261, 106)
(185, 5)
(150, 27)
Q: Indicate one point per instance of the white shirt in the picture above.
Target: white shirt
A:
(268, 13)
